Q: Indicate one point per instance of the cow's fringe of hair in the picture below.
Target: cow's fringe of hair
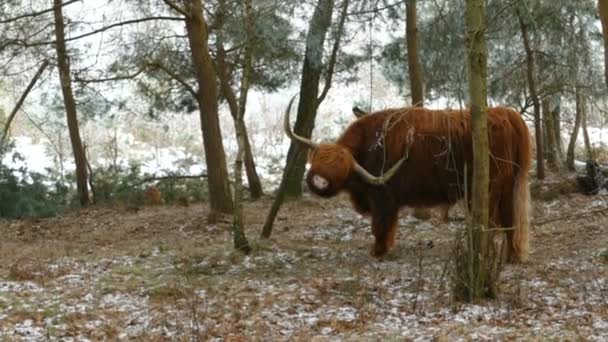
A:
(521, 198)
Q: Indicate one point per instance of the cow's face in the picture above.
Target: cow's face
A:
(330, 166)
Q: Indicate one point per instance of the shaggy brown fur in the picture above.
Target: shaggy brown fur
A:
(434, 172)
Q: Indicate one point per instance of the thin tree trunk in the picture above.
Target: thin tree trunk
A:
(530, 72)
(479, 272)
(602, 6)
(574, 136)
(70, 106)
(415, 74)
(308, 104)
(585, 132)
(255, 185)
(413, 62)
(238, 230)
(551, 151)
(253, 179)
(22, 98)
(220, 197)
(293, 163)
(555, 109)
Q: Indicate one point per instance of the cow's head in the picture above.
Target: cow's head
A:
(332, 164)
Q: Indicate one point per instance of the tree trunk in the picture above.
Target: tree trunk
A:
(22, 98)
(309, 92)
(220, 198)
(293, 163)
(415, 74)
(253, 179)
(255, 185)
(63, 64)
(530, 72)
(602, 6)
(588, 149)
(574, 136)
(238, 229)
(555, 108)
(549, 129)
(478, 266)
(413, 63)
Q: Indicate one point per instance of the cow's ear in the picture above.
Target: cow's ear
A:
(410, 136)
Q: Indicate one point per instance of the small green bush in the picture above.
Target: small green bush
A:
(127, 186)
(28, 194)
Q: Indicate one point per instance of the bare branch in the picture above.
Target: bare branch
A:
(334, 54)
(94, 32)
(110, 79)
(176, 8)
(19, 103)
(35, 14)
(176, 77)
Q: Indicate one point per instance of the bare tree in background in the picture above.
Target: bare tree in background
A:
(220, 197)
(602, 7)
(530, 75)
(577, 126)
(238, 230)
(63, 63)
(234, 103)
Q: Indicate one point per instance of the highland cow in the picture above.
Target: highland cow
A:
(418, 157)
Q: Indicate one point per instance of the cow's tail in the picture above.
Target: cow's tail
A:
(521, 192)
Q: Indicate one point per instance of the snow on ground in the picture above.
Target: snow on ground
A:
(164, 274)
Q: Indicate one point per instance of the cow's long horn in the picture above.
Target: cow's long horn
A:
(379, 180)
(290, 133)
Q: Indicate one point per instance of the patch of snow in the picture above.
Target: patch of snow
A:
(17, 287)
(28, 331)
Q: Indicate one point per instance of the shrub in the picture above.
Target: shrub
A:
(28, 194)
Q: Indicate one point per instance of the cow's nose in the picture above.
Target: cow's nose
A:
(319, 182)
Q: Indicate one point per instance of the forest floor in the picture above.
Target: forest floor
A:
(162, 273)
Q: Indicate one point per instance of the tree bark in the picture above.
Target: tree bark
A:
(602, 6)
(63, 64)
(549, 130)
(255, 185)
(530, 73)
(574, 136)
(587, 141)
(415, 74)
(312, 57)
(220, 197)
(413, 62)
(479, 266)
(238, 230)
(555, 108)
(308, 104)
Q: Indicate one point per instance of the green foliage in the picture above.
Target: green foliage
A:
(563, 33)
(119, 185)
(127, 186)
(28, 194)
(178, 190)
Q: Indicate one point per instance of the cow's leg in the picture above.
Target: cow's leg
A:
(384, 228)
(445, 212)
